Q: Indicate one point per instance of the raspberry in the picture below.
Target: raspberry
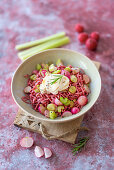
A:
(95, 35)
(79, 28)
(91, 44)
(83, 37)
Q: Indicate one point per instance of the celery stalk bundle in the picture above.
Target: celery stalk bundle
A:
(31, 48)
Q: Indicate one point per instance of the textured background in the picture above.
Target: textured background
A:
(24, 20)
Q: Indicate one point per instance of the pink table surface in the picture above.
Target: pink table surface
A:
(22, 21)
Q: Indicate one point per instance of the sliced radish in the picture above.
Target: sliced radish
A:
(47, 152)
(57, 102)
(38, 151)
(27, 89)
(26, 142)
(43, 73)
(34, 71)
(86, 88)
(41, 109)
(86, 79)
(66, 73)
(46, 113)
(82, 100)
(75, 110)
(66, 114)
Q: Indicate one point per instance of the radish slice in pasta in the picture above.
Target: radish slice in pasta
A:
(66, 114)
(27, 89)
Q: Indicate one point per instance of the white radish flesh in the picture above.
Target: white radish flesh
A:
(47, 152)
(38, 151)
(26, 142)
(66, 114)
(27, 89)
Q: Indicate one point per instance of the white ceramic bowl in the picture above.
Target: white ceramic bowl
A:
(68, 57)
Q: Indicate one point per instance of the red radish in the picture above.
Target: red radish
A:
(86, 79)
(83, 37)
(75, 110)
(57, 102)
(66, 73)
(46, 113)
(79, 28)
(82, 100)
(86, 88)
(91, 44)
(95, 35)
(27, 89)
(66, 114)
(41, 109)
(34, 71)
(43, 73)
(38, 151)
(47, 152)
(26, 142)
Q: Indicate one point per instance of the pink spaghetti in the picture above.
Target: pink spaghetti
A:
(37, 99)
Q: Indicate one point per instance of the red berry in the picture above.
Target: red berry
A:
(83, 37)
(91, 44)
(95, 35)
(79, 28)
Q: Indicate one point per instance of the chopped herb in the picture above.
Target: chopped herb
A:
(57, 77)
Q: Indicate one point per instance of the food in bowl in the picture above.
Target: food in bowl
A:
(57, 90)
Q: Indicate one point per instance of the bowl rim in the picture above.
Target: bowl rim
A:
(70, 118)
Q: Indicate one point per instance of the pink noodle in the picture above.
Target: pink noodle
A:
(35, 99)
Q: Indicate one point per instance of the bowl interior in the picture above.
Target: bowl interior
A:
(68, 57)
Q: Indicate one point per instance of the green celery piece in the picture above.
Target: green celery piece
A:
(40, 41)
(48, 45)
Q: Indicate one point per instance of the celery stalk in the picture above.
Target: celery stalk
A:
(48, 45)
(40, 41)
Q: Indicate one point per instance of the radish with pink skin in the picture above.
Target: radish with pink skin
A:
(46, 113)
(41, 109)
(75, 110)
(66, 73)
(82, 100)
(57, 102)
(47, 153)
(34, 71)
(66, 114)
(26, 142)
(43, 73)
(86, 79)
(38, 151)
(27, 89)
(86, 88)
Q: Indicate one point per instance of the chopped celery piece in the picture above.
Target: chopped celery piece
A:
(38, 67)
(63, 100)
(67, 103)
(72, 89)
(60, 108)
(33, 77)
(68, 69)
(59, 62)
(57, 72)
(40, 41)
(52, 115)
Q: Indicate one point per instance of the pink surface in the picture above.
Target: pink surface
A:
(22, 21)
